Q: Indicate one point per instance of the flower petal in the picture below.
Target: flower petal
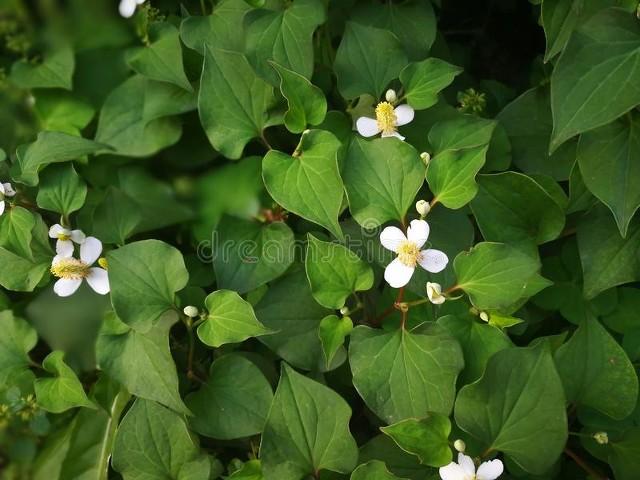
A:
(98, 279)
(64, 248)
(490, 470)
(397, 274)
(392, 134)
(1, 188)
(127, 8)
(404, 114)
(77, 236)
(8, 190)
(367, 127)
(453, 471)
(418, 232)
(56, 230)
(433, 261)
(467, 464)
(391, 238)
(90, 250)
(66, 286)
(1, 207)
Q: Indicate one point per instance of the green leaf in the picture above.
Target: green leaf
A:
(161, 59)
(233, 402)
(154, 376)
(423, 81)
(518, 408)
(55, 71)
(607, 258)
(512, 208)
(382, 449)
(308, 183)
(289, 310)
(460, 152)
(496, 275)
(64, 390)
(332, 331)
(251, 470)
(233, 101)
(50, 147)
(138, 117)
(116, 217)
(608, 163)
(624, 455)
(144, 278)
(284, 37)
(373, 470)
(17, 340)
(306, 102)
(244, 255)
(61, 190)
(15, 231)
(599, 62)
(154, 442)
(335, 272)
(402, 374)
(623, 318)
(307, 430)
(230, 320)
(367, 60)
(427, 438)
(62, 112)
(382, 178)
(596, 371)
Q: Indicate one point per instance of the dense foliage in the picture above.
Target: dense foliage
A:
(330, 239)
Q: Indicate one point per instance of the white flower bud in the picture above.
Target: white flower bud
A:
(423, 208)
(344, 310)
(484, 316)
(391, 96)
(460, 446)
(434, 292)
(191, 311)
(426, 158)
(601, 437)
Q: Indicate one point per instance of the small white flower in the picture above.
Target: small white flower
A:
(459, 445)
(465, 469)
(71, 271)
(434, 292)
(391, 96)
(423, 208)
(388, 119)
(426, 158)
(6, 190)
(128, 7)
(191, 311)
(66, 238)
(484, 316)
(399, 272)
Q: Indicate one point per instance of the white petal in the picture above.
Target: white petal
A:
(391, 238)
(418, 232)
(490, 470)
(404, 114)
(127, 8)
(367, 127)
(64, 248)
(77, 236)
(434, 292)
(467, 464)
(453, 471)
(90, 250)
(392, 134)
(2, 188)
(56, 230)
(8, 190)
(140, 2)
(98, 279)
(433, 261)
(1, 207)
(66, 286)
(397, 274)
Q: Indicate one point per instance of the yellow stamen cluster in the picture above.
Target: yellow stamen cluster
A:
(64, 237)
(409, 253)
(103, 263)
(386, 117)
(70, 268)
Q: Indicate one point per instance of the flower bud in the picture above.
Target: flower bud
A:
(191, 311)
(344, 310)
(426, 158)
(423, 208)
(460, 446)
(601, 437)
(484, 316)
(434, 292)
(391, 96)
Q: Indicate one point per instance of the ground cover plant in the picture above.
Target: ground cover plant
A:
(319, 239)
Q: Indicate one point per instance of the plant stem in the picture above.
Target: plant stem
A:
(584, 465)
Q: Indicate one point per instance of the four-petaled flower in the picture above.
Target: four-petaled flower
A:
(66, 238)
(128, 7)
(5, 191)
(399, 272)
(465, 469)
(388, 119)
(71, 271)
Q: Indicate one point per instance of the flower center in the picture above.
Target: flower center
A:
(64, 237)
(386, 117)
(409, 253)
(70, 268)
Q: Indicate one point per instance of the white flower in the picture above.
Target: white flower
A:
(423, 208)
(434, 292)
(466, 470)
(388, 119)
(5, 191)
(391, 96)
(128, 7)
(66, 238)
(398, 272)
(191, 311)
(71, 271)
